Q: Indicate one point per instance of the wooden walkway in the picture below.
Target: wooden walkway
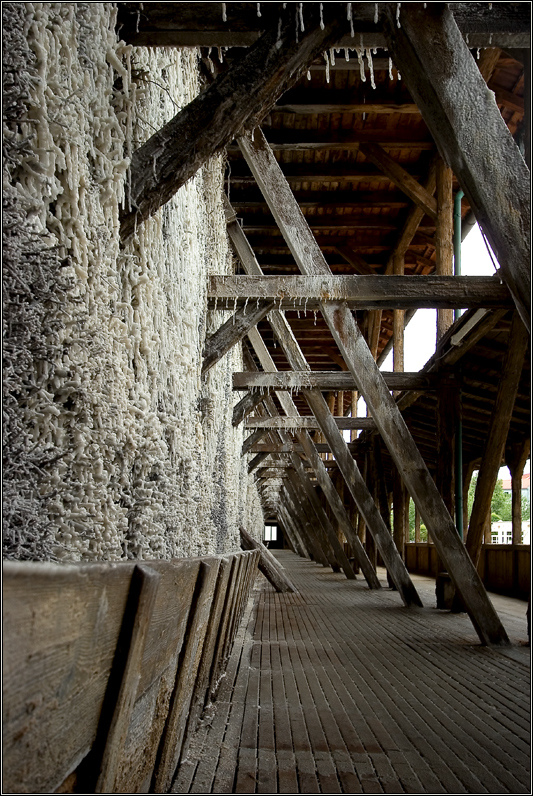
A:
(338, 689)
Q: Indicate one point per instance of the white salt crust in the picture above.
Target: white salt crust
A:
(151, 464)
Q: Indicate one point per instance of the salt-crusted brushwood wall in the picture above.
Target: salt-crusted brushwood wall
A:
(114, 446)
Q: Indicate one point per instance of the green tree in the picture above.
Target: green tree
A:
(501, 503)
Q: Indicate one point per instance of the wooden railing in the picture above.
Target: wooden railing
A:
(107, 668)
(504, 568)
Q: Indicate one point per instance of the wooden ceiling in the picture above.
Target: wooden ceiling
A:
(357, 155)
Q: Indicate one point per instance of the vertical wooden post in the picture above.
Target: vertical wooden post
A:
(497, 435)
(527, 106)
(355, 398)
(417, 525)
(515, 458)
(399, 505)
(398, 322)
(444, 238)
(468, 472)
(446, 430)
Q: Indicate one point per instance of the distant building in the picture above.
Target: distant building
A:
(502, 532)
(526, 489)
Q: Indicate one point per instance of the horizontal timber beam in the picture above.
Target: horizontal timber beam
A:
(326, 380)
(362, 291)
(309, 423)
(281, 140)
(178, 25)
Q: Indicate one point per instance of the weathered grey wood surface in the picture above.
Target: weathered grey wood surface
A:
(232, 331)
(238, 99)
(401, 178)
(495, 445)
(281, 328)
(361, 291)
(198, 697)
(145, 583)
(189, 661)
(157, 674)
(201, 24)
(90, 662)
(390, 423)
(60, 630)
(471, 135)
(298, 421)
(326, 380)
(267, 563)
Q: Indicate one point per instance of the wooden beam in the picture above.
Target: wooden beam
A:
(268, 565)
(357, 262)
(306, 101)
(245, 406)
(496, 437)
(177, 25)
(516, 456)
(455, 102)
(323, 518)
(310, 423)
(253, 439)
(384, 411)
(401, 178)
(444, 238)
(326, 380)
(304, 140)
(246, 198)
(320, 172)
(339, 510)
(248, 260)
(238, 99)
(232, 331)
(361, 292)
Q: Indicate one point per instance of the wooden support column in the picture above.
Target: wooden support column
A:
(355, 398)
(447, 400)
(340, 557)
(398, 322)
(516, 457)
(417, 525)
(499, 428)
(389, 421)
(299, 517)
(291, 528)
(468, 472)
(400, 505)
(463, 118)
(444, 238)
(314, 520)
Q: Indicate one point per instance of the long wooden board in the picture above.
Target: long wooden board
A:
(361, 291)
(186, 673)
(60, 630)
(158, 669)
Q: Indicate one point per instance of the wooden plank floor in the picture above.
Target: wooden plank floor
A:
(338, 689)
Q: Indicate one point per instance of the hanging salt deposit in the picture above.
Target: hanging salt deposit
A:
(147, 467)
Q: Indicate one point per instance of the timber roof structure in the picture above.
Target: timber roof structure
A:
(349, 129)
